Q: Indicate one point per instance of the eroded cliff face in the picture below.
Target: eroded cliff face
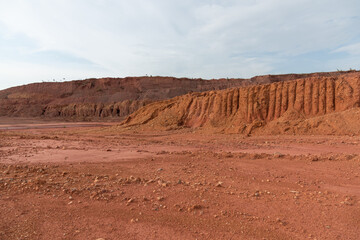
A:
(99, 98)
(92, 110)
(115, 97)
(248, 109)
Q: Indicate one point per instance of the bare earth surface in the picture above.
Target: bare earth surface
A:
(90, 182)
(7, 123)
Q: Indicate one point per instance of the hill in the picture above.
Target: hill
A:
(314, 104)
(113, 97)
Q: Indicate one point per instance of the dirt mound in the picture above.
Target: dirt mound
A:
(113, 97)
(317, 104)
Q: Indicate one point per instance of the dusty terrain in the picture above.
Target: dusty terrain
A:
(97, 183)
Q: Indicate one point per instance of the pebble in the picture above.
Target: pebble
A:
(134, 220)
(160, 198)
(219, 184)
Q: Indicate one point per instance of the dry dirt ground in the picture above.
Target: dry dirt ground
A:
(96, 183)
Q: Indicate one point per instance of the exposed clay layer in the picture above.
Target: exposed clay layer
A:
(93, 110)
(114, 97)
(246, 108)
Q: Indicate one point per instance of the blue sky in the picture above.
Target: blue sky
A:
(42, 40)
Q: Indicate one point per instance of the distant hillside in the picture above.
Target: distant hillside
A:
(113, 97)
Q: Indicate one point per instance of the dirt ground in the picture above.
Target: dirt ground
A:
(91, 182)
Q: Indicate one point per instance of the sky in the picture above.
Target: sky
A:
(61, 40)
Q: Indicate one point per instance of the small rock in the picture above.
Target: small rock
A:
(314, 159)
(197, 206)
(219, 184)
(278, 155)
(134, 220)
(160, 198)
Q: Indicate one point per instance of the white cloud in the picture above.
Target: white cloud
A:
(19, 73)
(207, 39)
(289, 27)
(353, 49)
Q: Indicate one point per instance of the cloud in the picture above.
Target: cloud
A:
(287, 27)
(19, 73)
(206, 39)
(352, 49)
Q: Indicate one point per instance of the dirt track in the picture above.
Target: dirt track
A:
(91, 183)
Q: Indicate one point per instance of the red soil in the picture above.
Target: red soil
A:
(92, 183)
